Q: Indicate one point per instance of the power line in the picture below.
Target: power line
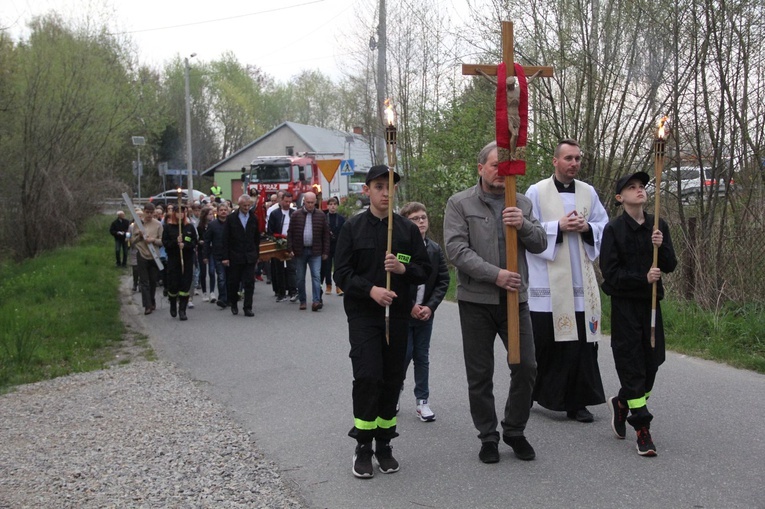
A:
(169, 27)
(309, 34)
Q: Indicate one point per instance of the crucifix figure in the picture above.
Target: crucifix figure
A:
(512, 121)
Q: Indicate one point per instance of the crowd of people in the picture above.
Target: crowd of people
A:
(393, 279)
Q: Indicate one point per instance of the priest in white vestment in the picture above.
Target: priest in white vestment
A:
(564, 297)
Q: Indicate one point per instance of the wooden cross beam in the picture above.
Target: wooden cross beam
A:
(511, 234)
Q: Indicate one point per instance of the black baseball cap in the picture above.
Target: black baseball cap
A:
(640, 175)
(379, 171)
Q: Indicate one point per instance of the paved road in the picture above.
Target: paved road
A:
(285, 375)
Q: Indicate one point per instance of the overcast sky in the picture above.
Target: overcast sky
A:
(281, 37)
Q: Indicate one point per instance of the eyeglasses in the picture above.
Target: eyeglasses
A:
(417, 219)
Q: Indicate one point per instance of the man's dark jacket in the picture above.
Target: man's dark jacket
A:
(240, 246)
(320, 227)
(214, 240)
(120, 224)
(276, 220)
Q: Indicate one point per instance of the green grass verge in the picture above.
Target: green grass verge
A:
(734, 335)
(60, 312)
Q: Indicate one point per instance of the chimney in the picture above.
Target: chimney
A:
(358, 130)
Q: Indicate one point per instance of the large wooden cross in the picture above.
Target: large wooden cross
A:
(511, 234)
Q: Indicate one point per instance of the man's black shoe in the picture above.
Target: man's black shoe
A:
(234, 310)
(221, 304)
(248, 312)
(618, 417)
(581, 415)
(521, 447)
(489, 452)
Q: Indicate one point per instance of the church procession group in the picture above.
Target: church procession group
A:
(393, 277)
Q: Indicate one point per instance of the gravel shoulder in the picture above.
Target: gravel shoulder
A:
(140, 434)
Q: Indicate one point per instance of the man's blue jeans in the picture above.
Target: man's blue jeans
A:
(418, 349)
(220, 271)
(314, 262)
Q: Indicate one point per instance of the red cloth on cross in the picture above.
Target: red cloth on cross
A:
(518, 166)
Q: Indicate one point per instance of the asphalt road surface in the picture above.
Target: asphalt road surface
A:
(285, 375)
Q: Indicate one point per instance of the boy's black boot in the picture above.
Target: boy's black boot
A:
(384, 457)
(645, 445)
(182, 309)
(362, 461)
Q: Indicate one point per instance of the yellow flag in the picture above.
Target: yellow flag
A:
(328, 168)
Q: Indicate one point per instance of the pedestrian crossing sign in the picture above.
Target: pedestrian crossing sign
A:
(347, 166)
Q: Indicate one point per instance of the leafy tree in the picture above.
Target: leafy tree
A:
(69, 111)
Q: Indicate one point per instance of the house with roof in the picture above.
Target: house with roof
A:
(290, 138)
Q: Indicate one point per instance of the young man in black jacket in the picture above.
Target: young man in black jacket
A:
(361, 266)
(626, 260)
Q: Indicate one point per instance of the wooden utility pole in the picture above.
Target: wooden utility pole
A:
(382, 57)
(511, 234)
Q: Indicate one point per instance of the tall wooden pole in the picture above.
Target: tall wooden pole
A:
(180, 225)
(511, 234)
(659, 147)
(390, 143)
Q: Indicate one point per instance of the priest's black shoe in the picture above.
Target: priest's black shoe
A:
(581, 415)
(248, 312)
(521, 447)
(234, 310)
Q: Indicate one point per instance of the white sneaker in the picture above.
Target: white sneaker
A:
(191, 304)
(206, 297)
(424, 412)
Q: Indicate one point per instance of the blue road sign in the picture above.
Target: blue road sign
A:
(347, 166)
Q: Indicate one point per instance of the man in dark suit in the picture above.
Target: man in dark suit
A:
(282, 272)
(241, 247)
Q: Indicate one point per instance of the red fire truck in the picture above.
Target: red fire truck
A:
(269, 174)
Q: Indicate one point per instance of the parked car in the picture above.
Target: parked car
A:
(356, 194)
(694, 182)
(171, 196)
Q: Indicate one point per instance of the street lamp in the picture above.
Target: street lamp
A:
(139, 141)
(188, 128)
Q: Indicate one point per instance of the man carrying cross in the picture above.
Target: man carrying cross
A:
(486, 237)
(475, 222)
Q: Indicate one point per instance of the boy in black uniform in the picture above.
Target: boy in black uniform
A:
(180, 240)
(361, 265)
(626, 257)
